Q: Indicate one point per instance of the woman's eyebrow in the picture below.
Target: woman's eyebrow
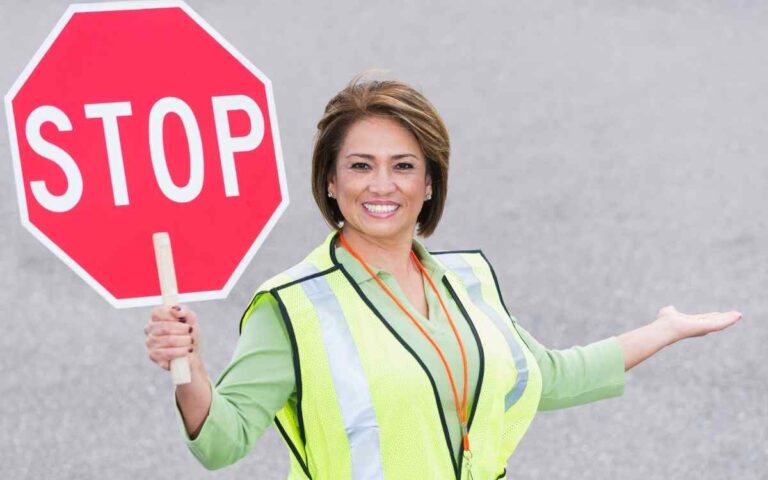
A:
(403, 155)
(368, 156)
(361, 155)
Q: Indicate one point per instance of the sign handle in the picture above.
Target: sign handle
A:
(170, 292)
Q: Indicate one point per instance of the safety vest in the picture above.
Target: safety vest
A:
(367, 406)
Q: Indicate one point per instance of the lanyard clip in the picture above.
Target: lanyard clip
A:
(468, 464)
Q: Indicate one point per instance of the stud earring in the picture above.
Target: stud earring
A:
(428, 197)
(330, 195)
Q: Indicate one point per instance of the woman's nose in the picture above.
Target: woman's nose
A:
(382, 182)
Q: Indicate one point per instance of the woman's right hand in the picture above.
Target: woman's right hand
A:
(172, 332)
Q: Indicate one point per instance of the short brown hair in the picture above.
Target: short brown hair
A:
(390, 99)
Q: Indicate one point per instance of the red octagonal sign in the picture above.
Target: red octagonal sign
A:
(135, 118)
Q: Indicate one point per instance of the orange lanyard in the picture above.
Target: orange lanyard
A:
(460, 408)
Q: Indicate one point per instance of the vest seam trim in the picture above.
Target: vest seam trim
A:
(296, 362)
(501, 299)
(444, 252)
(296, 367)
(481, 354)
(250, 304)
(280, 287)
(292, 447)
(305, 278)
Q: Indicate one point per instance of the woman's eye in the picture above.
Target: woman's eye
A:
(359, 166)
(404, 166)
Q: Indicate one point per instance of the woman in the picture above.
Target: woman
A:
(374, 357)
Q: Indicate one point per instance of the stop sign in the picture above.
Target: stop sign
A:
(134, 118)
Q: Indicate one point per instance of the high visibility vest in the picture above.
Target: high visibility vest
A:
(367, 406)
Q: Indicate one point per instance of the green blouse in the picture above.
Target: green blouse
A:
(260, 378)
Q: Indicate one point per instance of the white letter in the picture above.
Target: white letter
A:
(228, 144)
(160, 109)
(108, 113)
(67, 200)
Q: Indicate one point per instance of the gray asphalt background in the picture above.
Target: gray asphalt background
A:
(609, 158)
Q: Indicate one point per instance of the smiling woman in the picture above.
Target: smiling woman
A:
(370, 110)
(374, 357)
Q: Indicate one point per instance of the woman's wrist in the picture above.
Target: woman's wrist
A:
(196, 365)
(639, 344)
(665, 332)
(196, 393)
(194, 398)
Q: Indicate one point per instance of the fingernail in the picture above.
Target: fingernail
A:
(190, 329)
(183, 320)
(176, 307)
(193, 341)
(191, 349)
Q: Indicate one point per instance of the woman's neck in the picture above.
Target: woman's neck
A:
(391, 255)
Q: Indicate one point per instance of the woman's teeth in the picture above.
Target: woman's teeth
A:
(380, 208)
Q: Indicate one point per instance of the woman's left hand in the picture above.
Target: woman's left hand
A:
(681, 325)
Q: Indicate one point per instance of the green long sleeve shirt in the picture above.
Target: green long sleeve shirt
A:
(260, 377)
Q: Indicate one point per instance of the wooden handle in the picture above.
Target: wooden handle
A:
(167, 275)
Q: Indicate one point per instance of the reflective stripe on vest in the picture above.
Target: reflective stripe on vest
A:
(348, 376)
(456, 263)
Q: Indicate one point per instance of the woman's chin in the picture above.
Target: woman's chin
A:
(380, 229)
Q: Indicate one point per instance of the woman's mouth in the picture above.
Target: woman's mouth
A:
(381, 209)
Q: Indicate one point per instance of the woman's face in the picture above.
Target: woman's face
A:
(380, 181)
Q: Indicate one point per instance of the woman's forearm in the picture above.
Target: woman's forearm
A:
(194, 398)
(639, 344)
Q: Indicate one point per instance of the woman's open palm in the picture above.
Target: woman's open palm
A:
(695, 325)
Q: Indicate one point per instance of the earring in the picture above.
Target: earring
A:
(330, 195)
(429, 197)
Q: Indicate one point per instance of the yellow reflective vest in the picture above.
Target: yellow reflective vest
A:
(367, 406)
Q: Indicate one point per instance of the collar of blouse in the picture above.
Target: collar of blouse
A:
(360, 275)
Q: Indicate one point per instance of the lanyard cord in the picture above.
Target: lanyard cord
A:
(460, 408)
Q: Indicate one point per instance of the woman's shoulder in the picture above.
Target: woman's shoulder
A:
(461, 258)
(266, 297)
(317, 261)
